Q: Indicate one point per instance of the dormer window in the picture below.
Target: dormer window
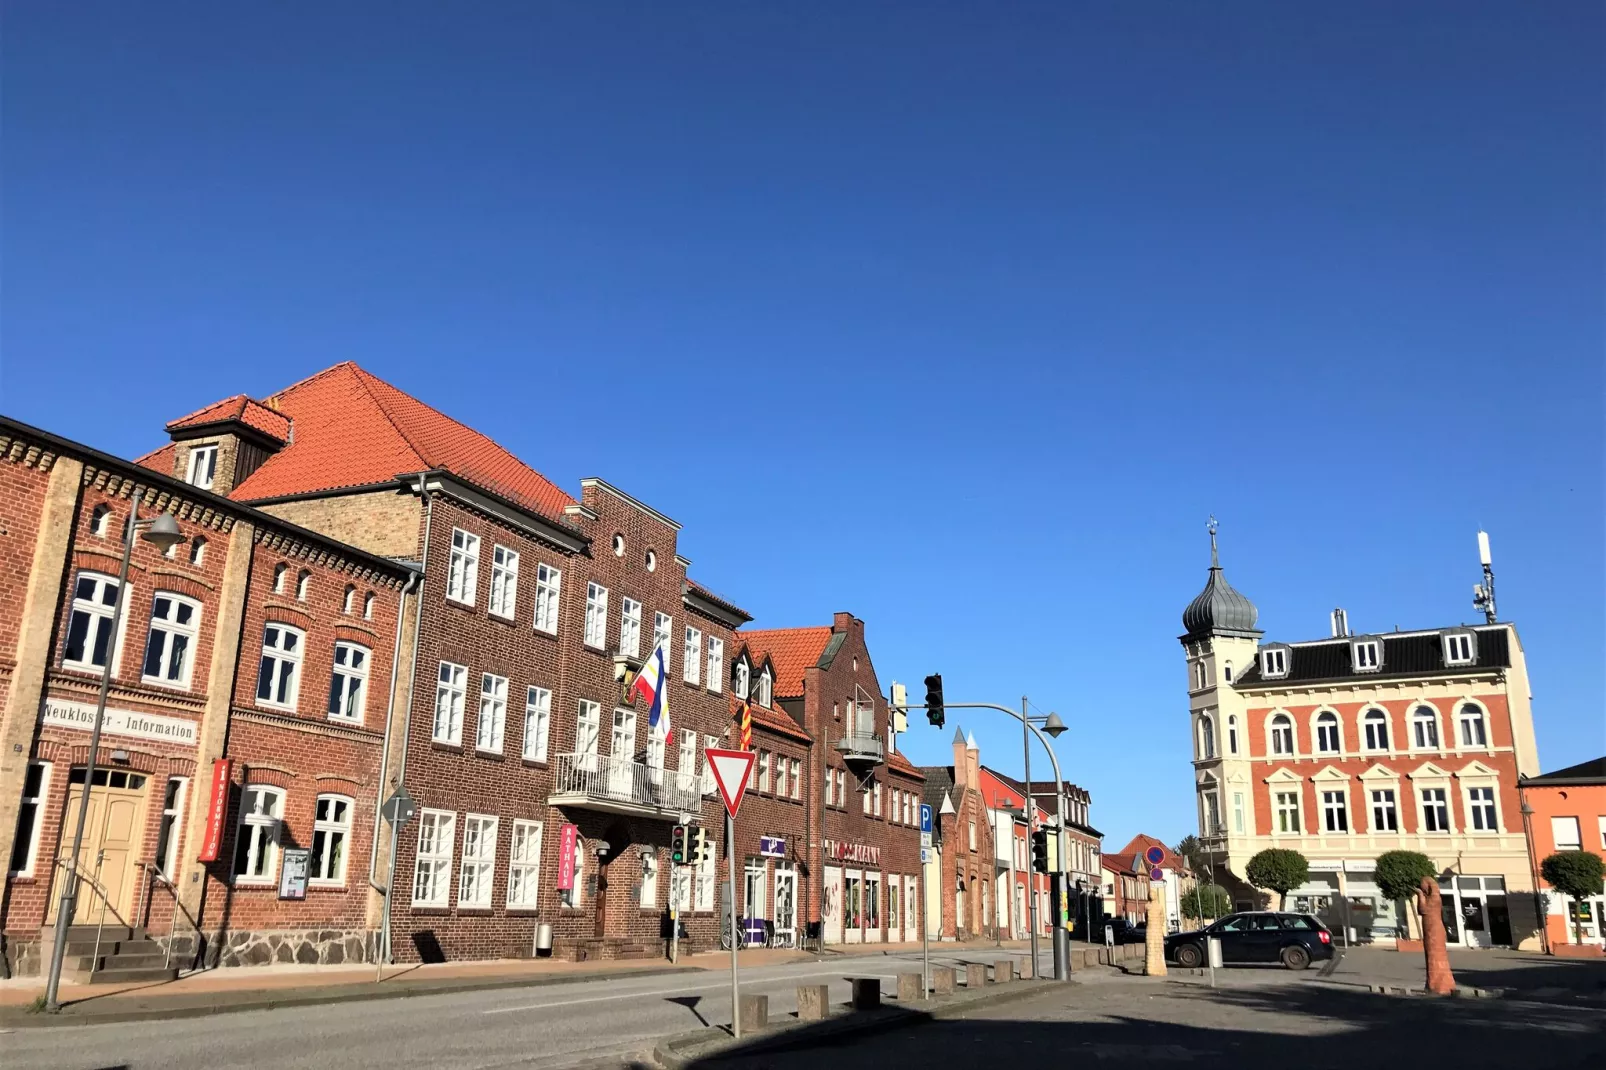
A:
(1460, 648)
(1274, 662)
(1366, 655)
(741, 679)
(766, 689)
(203, 467)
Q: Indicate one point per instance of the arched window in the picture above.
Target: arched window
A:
(1425, 727)
(368, 606)
(1377, 730)
(280, 571)
(198, 550)
(100, 521)
(303, 582)
(349, 601)
(1282, 734)
(1232, 734)
(1226, 671)
(1472, 729)
(1198, 675)
(1327, 733)
(1207, 737)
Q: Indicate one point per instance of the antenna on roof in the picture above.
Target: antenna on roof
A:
(1340, 624)
(1483, 593)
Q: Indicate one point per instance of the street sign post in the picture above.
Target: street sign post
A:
(400, 807)
(731, 770)
(925, 824)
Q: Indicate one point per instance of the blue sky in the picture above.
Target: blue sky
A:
(960, 317)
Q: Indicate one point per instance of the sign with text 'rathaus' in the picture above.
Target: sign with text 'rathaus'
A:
(81, 715)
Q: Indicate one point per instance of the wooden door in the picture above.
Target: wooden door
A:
(108, 865)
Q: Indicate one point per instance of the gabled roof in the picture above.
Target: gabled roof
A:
(774, 720)
(939, 782)
(791, 650)
(1042, 793)
(1123, 863)
(1140, 845)
(897, 762)
(253, 414)
(1409, 654)
(1590, 772)
(353, 429)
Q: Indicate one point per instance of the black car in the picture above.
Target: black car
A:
(1295, 940)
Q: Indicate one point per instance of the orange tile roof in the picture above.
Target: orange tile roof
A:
(897, 761)
(774, 720)
(791, 649)
(250, 412)
(353, 429)
(1140, 845)
(159, 459)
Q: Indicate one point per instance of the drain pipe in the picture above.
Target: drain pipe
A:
(384, 750)
(384, 954)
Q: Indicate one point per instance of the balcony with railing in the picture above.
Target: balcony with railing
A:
(620, 786)
(863, 747)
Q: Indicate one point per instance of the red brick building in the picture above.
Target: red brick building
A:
(252, 642)
(960, 877)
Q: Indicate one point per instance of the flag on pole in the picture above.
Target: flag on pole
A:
(650, 686)
(747, 725)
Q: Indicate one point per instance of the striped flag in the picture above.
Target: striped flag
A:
(747, 725)
(650, 686)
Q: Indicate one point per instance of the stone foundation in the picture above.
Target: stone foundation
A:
(308, 947)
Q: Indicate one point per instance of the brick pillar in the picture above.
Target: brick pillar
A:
(46, 574)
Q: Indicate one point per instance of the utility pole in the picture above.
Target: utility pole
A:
(1031, 826)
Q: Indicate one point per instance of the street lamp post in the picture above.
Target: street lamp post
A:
(164, 535)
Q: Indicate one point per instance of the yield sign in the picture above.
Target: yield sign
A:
(731, 770)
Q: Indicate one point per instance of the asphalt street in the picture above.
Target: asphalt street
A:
(548, 1026)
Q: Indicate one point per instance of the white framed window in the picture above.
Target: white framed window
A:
(1327, 735)
(1207, 737)
(100, 521)
(1481, 810)
(1282, 734)
(1335, 811)
(198, 550)
(705, 882)
(686, 764)
(709, 784)
(279, 676)
(1274, 662)
(1425, 728)
(25, 848)
(649, 880)
(348, 684)
(524, 866)
(368, 606)
(972, 834)
(766, 690)
(432, 870)
(716, 664)
(1198, 675)
(623, 742)
(780, 777)
(463, 567)
(91, 626)
(662, 624)
(203, 467)
(451, 690)
(1385, 812)
(1435, 810)
(1226, 671)
(171, 642)
(169, 832)
(864, 799)
(1473, 733)
(280, 573)
(630, 627)
(477, 873)
(1376, 722)
(1286, 807)
(493, 716)
(1566, 834)
(587, 729)
(655, 752)
(797, 778)
(740, 679)
(681, 879)
(1458, 648)
(303, 585)
(548, 586)
(596, 630)
(331, 837)
(256, 846)
(1212, 813)
(537, 722)
(1232, 733)
(504, 582)
(348, 600)
(1238, 811)
(1367, 655)
(875, 799)
(692, 655)
(762, 781)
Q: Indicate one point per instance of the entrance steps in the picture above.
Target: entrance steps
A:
(123, 955)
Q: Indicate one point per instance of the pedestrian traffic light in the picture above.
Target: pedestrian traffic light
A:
(1040, 851)
(934, 712)
(677, 845)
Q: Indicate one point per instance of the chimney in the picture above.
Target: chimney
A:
(973, 760)
(961, 759)
(841, 622)
(1340, 624)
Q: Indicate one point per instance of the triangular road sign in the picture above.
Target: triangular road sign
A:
(731, 770)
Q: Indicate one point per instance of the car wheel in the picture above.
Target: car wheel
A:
(1189, 956)
(1296, 958)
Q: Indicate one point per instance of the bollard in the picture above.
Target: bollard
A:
(911, 987)
(1003, 971)
(1028, 968)
(975, 975)
(814, 1002)
(942, 980)
(755, 1013)
(866, 993)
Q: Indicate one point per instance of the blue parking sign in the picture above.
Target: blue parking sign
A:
(925, 817)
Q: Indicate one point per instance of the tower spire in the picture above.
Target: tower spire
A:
(1215, 558)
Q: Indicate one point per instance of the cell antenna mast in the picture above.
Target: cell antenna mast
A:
(1483, 593)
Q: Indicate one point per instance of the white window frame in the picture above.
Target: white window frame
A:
(258, 829)
(663, 627)
(647, 897)
(171, 828)
(548, 597)
(477, 867)
(1483, 814)
(1572, 840)
(490, 727)
(437, 829)
(198, 550)
(1417, 723)
(1285, 813)
(1366, 655)
(1232, 733)
(1335, 811)
(780, 776)
(348, 682)
(740, 679)
(1207, 737)
(706, 871)
(524, 866)
(368, 605)
(716, 664)
(766, 690)
(1282, 746)
(537, 722)
(303, 585)
(596, 624)
(168, 631)
(692, 656)
(1385, 810)
(1274, 663)
(1440, 807)
(1327, 724)
(761, 782)
(686, 763)
(202, 471)
(334, 831)
(1238, 812)
(797, 778)
(504, 582)
(280, 571)
(630, 627)
(1369, 737)
(588, 730)
(1471, 715)
(463, 567)
(451, 699)
(101, 617)
(33, 803)
(286, 661)
(1459, 649)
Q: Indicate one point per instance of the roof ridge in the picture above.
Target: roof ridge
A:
(203, 408)
(299, 383)
(362, 376)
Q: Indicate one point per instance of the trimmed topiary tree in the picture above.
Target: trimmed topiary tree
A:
(1412, 875)
(1577, 875)
(1279, 869)
(1206, 901)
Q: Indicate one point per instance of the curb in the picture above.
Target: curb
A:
(686, 1049)
(23, 1019)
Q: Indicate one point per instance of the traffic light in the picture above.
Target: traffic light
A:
(1040, 850)
(934, 712)
(677, 845)
(702, 847)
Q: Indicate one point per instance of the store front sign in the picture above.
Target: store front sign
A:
(59, 713)
(862, 853)
(772, 846)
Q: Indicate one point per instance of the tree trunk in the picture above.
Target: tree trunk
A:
(1578, 921)
(1430, 905)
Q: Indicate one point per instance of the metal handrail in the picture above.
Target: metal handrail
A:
(155, 876)
(861, 743)
(605, 777)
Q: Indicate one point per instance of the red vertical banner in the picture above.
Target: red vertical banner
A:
(568, 836)
(217, 810)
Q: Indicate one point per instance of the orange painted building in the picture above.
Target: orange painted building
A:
(1568, 814)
